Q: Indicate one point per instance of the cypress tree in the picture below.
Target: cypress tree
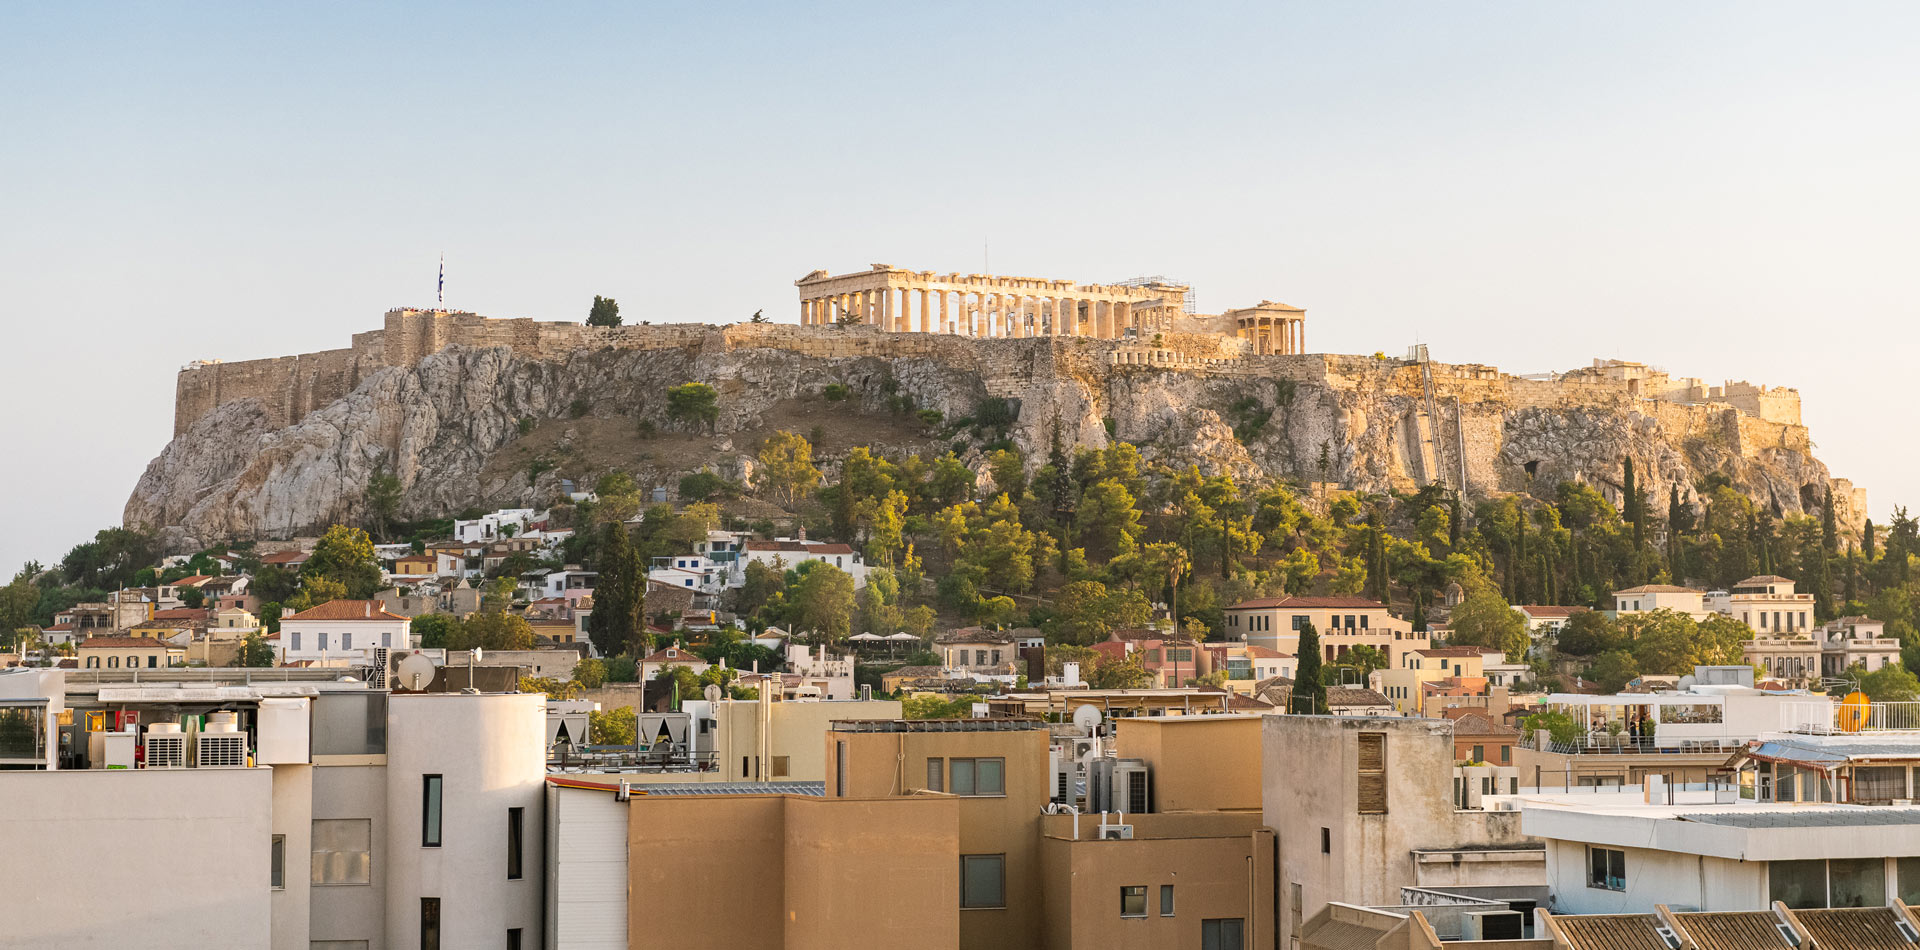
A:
(1853, 577)
(1518, 562)
(1829, 535)
(1866, 543)
(619, 595)
(1453, 523)
(1309, 693)
(1632, 489)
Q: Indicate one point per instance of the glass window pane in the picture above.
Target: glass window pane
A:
(1797, 884)
(962, 775)
(1166, 900)
(1857, 882)
(430, 812)
(1909, 871)
(982, 880)
(990, 777)
(515, 827)
(935, 775)
(1133, 901)
(278, 863)
(342, 851)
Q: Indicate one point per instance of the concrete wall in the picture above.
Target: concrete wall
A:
(491, 753)
(1310, 783)
(350, 911)
(882, 873)
(293, 818)
(1655, 877)
(151, 859)
(1199, 763)
(1220, 866)
(706, 871)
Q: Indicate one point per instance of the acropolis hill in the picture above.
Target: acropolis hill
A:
(269, 448)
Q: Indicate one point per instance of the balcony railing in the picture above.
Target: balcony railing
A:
(1601, 743)
(1824, 717)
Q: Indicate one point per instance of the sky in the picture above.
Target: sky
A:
(1725, 190)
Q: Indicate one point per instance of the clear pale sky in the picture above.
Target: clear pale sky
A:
(1727, 190)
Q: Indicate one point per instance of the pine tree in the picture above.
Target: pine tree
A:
(619, 595)
(1309, 693)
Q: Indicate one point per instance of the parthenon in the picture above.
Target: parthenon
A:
(986, 305)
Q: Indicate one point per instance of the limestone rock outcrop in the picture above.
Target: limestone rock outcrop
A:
(473, 425)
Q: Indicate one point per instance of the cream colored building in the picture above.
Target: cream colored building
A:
(1768, 605)
(1342, 623)
(125, 653)
(1651, 597)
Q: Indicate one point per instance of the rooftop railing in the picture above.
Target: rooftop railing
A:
(1825, 717)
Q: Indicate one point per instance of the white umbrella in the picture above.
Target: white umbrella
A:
(866, 636)
(903, 635)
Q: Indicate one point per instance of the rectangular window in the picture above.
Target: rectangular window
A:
(780, 766)
(513, 939)
(1797, 884)
(1607, 869)
(1326, 841)
(840, 769)
(979, 776)
(322, 639)
(1908, 871)
(1226, 933)
(1372, 773)
(430, 811)
(1133, 901)
(983, 881)
(342, 851)
(936, 775)
(278, 863)
(516, 822)
(1479, 753)
(1856, 882)
(429, 923)
(346, 641)
(1166, 900)
(293, 640)
(1879, 783)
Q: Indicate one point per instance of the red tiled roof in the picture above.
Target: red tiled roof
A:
(1457, 651)
(346, 610)
(680, 655)
(1659, 589)
(182, 613)
(59, 627)
(1477, 724)
(285, 557)
(799, 547)
(1351, 696)
(1262, 653)
(1310, 603)
(1545, 610)
(194, 581)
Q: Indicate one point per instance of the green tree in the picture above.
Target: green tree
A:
(1484, 619)
(1588, 633)
(935, 707)
(1309, 696)
(786, 470)
(255, 650)
(433, 630)
(617, 498)
(605, 312)
(1890, 684)
(1107, 521)
(382, 502)
(590, 673)
(345, 556)
(820, 597)
(1614, 669)
(1560, 726)
(614, 726)
(693, 402)
(619, 595)
(492, 630)
(1129, 672)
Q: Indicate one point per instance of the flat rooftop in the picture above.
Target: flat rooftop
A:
(939, 725)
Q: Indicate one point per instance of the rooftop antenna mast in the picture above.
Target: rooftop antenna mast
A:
(441, 294)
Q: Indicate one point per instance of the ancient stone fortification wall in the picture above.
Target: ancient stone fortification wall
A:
(290, 387)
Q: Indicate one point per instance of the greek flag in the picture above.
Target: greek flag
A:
(443, 279)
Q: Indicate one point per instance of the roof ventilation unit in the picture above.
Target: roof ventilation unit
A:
(166, 746)
(1667, 936)
(221, 745)
(1907, 930)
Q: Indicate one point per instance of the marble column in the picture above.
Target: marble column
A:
(1124, 317)
(923, 311)
(944, 326)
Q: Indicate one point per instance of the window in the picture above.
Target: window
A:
(1879, 783)
(983, 881)
(430, 811)
(278, 863)
(979, 776)
(429, 923)
(1607, 869)
(153, 660)
(780, 766)
(1908, 870)
(1133, 901)
(840, 769)
(293, 640)
(1479, 753)
(113, 662)
(1372, 798)
(1326, 841)
(1797, 884)
(1506, 754)
(322, 640)
(1166, 900)
(516, 823)
(1226, 933)
(342, 851)
(513, 939)
(936, 775)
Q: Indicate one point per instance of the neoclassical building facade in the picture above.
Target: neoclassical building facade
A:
(987, 305)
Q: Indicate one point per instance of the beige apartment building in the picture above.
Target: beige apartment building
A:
(1342, 623)
(1767, 604)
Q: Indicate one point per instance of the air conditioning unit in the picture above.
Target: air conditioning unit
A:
(1116, 832)
(166, 746)
(382, 665)
(1491, 925)
(221, 745)
(1131, 791)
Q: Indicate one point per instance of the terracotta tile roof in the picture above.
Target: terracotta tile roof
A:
(197, 614)
(1311, 603)
(1865, 928)
(1354, 696)
(1541, 611)
(347, 610)
(1611, 931)
(799, 547)
(58, 627)
(285, 557)
(1658, 589)
(1734, 930)
(194, 581)
(1764, 579)
(1476, 724)
(1262, 653)
(1458, 651)
(673, 655)
(113, 643)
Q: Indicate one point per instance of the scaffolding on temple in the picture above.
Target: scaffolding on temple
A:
(1161, 279)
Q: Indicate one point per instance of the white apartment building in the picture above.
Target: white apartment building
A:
(342, 629)
(507, 522)
(1651, 597)
(299, 813)
(787, 553)
(1767, 604)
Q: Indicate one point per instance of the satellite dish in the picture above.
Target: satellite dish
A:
(712, 692)
(477, 654)
(1685, 683)
(416, 672)
(1087, 719)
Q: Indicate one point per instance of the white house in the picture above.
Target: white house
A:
(342, 629)
(1651, 597)
(787, 553)
(505, 523)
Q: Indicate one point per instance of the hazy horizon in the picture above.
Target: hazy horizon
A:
(1718, 189)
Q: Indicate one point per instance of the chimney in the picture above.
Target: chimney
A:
(803, 534)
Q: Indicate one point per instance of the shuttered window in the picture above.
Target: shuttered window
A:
(1373, 773)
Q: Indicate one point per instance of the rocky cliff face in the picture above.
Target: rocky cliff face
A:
(454, 428)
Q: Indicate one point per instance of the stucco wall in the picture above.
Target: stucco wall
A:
(1199, 763)
(151, 859)
(350, 911)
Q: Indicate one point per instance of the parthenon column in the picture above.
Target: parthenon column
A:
(905, 319)
(923, 311)
(1124, 310)
(996, 316)
(945, 327)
